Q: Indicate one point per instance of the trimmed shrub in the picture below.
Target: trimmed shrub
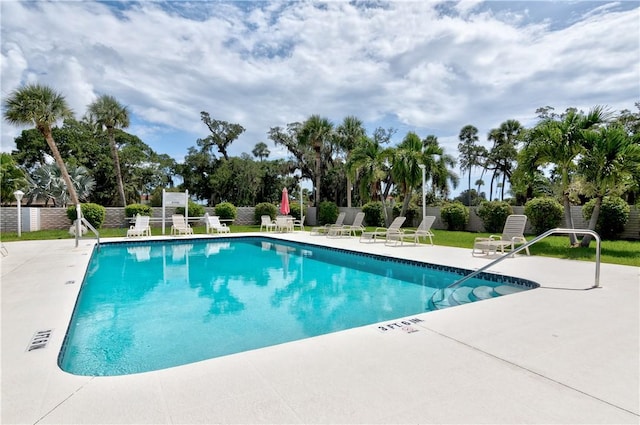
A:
(132, 210)
(226, 210)
(94, 213)
(265, 208)
(412, 213)
(544, 213)
(373, 214)
(294, 210)
(327, 212)
(195, 210)
(614, 214)
(494, 214)
(455, 215)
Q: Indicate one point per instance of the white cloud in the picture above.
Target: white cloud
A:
(425, 66)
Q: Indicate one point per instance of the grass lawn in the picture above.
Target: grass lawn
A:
(615, 252)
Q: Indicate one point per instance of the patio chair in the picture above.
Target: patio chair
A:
(379, 232)
(512, 233)
(423, 231)
(212, 222)
(180, 225)
(284, 223)
(140, 227)
(348, 229)
(299, 223)
(322, 230)
(266, 223)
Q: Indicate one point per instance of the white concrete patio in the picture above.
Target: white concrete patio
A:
(556, 354)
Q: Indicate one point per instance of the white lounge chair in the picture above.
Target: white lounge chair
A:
(180, 225)
(299, 223)
(348, 229)
(423, 231)
(140, 227)
(212, 222)
(322, 230)
(512, 233)
(266, 223)
(379, 232)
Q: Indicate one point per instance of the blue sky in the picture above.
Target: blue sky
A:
(424, 66)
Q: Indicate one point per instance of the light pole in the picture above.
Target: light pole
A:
(19, 194)
(424, 194)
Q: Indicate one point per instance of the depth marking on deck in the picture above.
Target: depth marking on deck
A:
(39, 340)
(403, 325)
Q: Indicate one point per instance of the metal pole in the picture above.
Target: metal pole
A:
(19, 194)
(424, 193)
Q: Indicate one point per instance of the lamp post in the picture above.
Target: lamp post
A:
(19, 194)
(424, 194)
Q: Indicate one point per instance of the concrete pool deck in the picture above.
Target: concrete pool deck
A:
(556, 354)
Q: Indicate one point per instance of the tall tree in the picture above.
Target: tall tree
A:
(369, 163)
(558, 141)
(503, 153)
(469, 153)
(609, 162)
(107, 113)
(350, 133)
(223, 133)
(261, 151)
(442, 175)
(43, 107)
(12, 178)
(316, 132)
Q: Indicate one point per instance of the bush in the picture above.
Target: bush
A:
(544, 213)
(373, 214)
(265, 208)
(411, 214)
(455, 215)
(195, 210)
(614, 213)
(226, 211)
(132, 210)
(94, 213)
(294, 210)
(494, 214)
(327, 212)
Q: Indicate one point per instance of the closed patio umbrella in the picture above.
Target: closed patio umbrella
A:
(284, 203)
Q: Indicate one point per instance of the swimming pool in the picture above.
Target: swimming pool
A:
(154, 305)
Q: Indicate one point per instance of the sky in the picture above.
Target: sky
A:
(423, 66)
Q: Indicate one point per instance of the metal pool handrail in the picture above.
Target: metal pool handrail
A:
(557, 230)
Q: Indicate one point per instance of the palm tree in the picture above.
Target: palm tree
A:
(608, 164)
(369, 162)
(442, 173)
(41, 106)
(503, 153)
(261, 151)
(316, 132)
(559, 142)
(469, 153)
(405, 165)
(349, 133)
(106, 112)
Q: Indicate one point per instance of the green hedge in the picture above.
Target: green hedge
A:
(226, 210)
(494, 214)
(94, 213)
(195, 210)
(132, 210)
(614, 214)
(455, 215)
(327, 212)
(544, 213)
(373, 214)
(265, 208)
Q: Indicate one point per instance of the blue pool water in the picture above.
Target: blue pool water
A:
(149, 306)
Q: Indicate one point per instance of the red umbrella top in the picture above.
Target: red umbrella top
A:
(284, 203)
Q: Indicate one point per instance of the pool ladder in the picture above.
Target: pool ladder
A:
(439, 302)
